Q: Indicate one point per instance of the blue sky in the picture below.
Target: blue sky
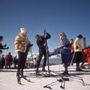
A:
(69, 16)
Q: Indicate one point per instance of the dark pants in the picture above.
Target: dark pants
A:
(21, 63)
(42, 52)
(78, 59)
(2, 63)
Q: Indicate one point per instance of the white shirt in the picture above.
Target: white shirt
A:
(78, 45)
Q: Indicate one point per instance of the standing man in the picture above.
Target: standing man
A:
(8, 60)
(21, 46)
(41, 42)
(78, 47)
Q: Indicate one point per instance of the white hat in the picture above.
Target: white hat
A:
(23, 30)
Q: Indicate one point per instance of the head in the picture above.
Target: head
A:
(37, 36)
(1, 38)
(80, 36)
(71, 40)
(62, 34)
(23, 31)
(9, 53)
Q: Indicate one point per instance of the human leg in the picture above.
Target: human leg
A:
(39, 60)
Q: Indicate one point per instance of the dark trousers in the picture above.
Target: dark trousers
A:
(21, 63)
(42, 52)
(78, 59)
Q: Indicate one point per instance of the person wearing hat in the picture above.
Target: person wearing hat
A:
(21, 43)
(78, 47)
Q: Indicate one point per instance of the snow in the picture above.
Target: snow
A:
(8, 80)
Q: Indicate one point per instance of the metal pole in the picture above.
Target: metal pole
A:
(47, 51)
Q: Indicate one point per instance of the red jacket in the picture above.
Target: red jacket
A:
(9, 58)
(87, 55)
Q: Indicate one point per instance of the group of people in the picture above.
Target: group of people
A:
(4, 61)
(8, 61)
(70, 51)
(22, 46)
